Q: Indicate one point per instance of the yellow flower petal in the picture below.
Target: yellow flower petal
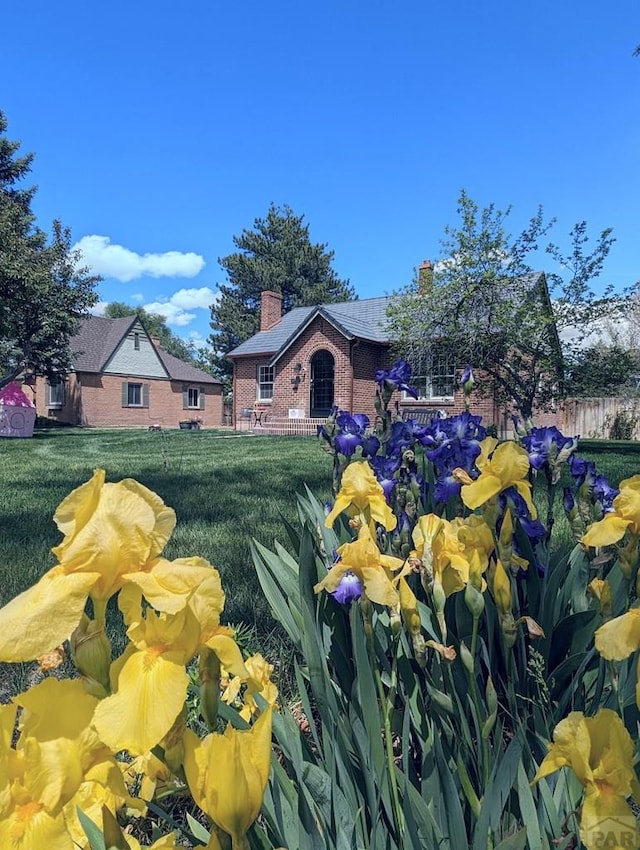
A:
(156, 685)
(481, 490)
(607, 818)
(56, 708)
(111, 529)
(607, 531)
(620, 637)
(29, 827)
(229, 654)
(361, 492)
(227, 774)
(169, 584)
(42, 617)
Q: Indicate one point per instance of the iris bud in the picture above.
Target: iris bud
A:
(209, 670)
(91, 653)
(466, 658)
(474, 600)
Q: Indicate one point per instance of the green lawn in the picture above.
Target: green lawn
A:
(225, 489)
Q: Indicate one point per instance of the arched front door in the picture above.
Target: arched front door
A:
(322, 371)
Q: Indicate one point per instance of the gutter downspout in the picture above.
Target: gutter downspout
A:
(354, 345)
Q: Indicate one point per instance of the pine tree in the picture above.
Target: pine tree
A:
(277, 254)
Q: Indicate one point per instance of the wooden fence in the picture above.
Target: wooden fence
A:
(616, 418)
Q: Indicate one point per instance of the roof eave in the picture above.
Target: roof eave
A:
(319, 311)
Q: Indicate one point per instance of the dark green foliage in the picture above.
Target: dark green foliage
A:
(277, 254)
(484, 307)
(601, 370)
(156, 326)
(42, 292)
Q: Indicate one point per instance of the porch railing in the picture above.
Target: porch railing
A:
(281, 426)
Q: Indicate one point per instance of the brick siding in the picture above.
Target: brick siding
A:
(356, 363)
(96, 400)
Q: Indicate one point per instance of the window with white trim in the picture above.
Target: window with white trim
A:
(265, 383)
(55, 394)
(434, 378)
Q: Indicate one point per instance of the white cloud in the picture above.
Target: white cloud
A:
(99, 307)
(116, 261)
(176, 309)
(173, 314)
(139, 297)
(191, 299)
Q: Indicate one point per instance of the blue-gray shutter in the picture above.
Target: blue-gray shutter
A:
(201, 398)
(145, 395)
(185, 398)
(125, 394)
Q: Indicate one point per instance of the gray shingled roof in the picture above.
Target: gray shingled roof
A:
(365, 319)
(181, 371)
(98, 338)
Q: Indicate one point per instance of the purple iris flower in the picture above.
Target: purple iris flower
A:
(403, 436)
(583, 471)
(452, 453)
(385, 469)
(349, 434)
(349, 589)
(604, 493)
(548, 445)
(467, 381)
(568, 501)
(370, 446)
(396, 378)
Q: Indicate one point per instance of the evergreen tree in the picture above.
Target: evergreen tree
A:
(43, 293)
(277, 254)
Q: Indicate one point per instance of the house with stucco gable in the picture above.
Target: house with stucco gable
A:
(121, 377)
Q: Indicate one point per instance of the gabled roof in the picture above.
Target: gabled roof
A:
(366, 319)
(98, 338)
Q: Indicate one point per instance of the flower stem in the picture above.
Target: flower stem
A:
(386, 707)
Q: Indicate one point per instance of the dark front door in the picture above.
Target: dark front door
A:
(322, 370)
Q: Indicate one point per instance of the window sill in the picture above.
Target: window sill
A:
(421, 402)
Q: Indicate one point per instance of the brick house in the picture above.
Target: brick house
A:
(121, 377)
(300, 364)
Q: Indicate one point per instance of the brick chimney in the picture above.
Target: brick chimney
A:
(425, 277)
(270, 309)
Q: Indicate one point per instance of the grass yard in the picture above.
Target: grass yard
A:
(225, 489)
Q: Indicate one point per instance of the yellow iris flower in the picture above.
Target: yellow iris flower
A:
(227, 775)
(149, 675)
(364, 559)
(360, 493)
(625, 516)
(475, 536)
(109, 530)
(438, 542)
(56, 758)
(599, 750)
(501, 466)
(259, 682)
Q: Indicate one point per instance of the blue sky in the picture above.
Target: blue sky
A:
(161, 130)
